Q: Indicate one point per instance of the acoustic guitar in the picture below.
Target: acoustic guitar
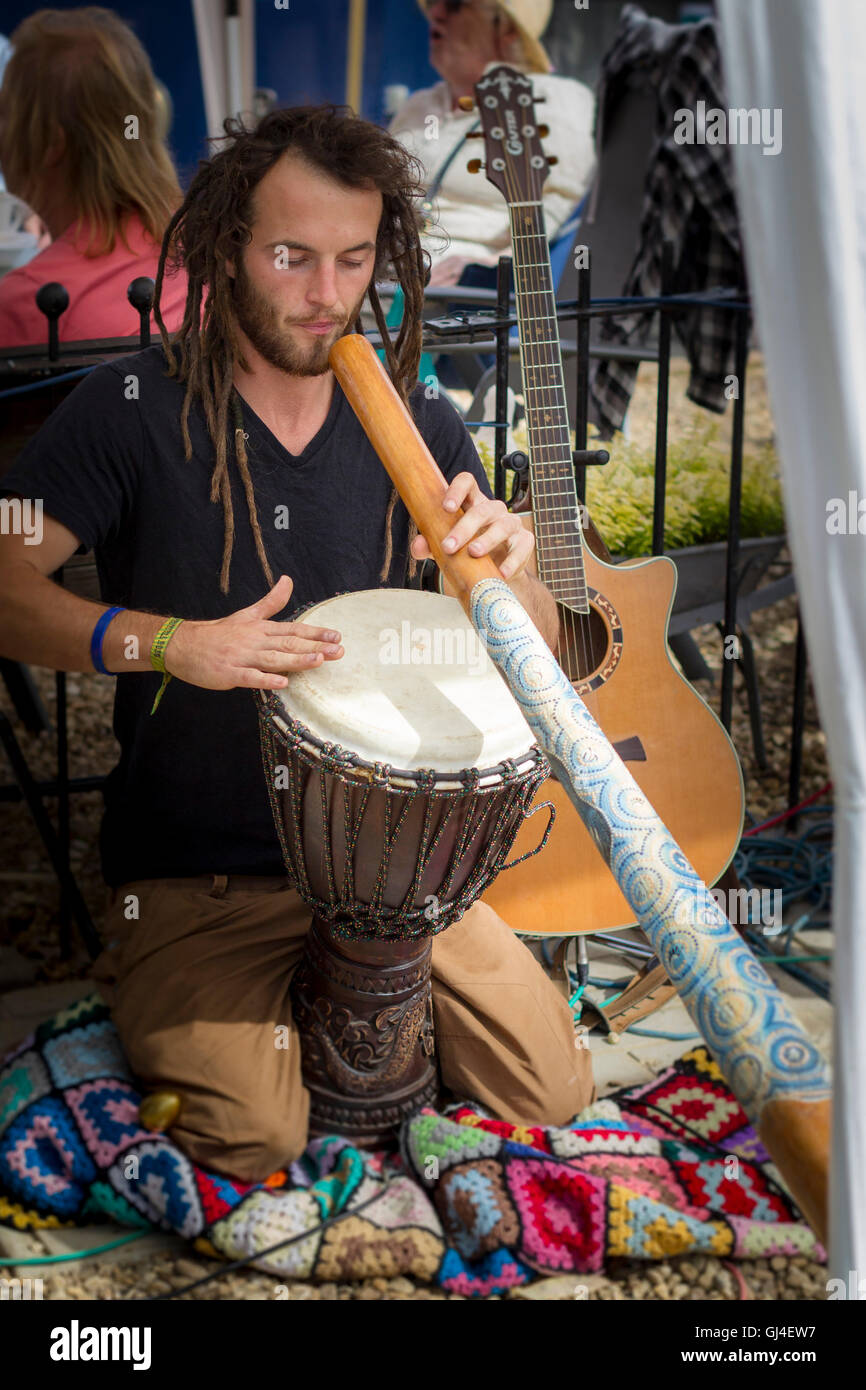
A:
(613, 618)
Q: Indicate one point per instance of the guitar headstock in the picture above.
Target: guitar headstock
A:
(515, 162)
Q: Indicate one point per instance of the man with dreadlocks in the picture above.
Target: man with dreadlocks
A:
(178, 465)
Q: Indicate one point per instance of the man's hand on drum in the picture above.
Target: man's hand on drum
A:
(486, 528)
(248, 648)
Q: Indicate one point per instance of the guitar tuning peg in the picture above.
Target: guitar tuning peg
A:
(552, 159)
(474, 166)
(544, 131)
(466, 103)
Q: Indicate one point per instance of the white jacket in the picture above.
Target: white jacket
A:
(469, 209)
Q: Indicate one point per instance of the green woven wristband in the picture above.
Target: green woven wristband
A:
(157, 655)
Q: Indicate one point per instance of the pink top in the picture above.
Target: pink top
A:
(98, 306)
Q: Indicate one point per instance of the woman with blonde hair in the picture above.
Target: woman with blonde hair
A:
(82, 142)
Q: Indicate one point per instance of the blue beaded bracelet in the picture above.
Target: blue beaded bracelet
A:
(97, 640)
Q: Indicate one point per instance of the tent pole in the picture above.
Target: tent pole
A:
(355, 54)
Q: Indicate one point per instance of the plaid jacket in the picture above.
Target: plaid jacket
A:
(688, 200)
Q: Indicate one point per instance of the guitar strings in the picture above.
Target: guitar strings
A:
(525, 295)
(534, 288)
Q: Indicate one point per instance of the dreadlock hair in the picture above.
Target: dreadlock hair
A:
(213, 225)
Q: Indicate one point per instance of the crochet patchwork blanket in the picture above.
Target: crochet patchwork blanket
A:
(471, 1203)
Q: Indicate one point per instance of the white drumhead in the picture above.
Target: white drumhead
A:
(414, 689)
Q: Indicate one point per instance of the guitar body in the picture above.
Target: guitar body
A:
(613, 618)
(690, 772)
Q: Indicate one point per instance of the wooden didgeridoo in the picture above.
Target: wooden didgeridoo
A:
(772, 1067)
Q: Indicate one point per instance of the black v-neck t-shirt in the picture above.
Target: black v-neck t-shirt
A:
(188, 795)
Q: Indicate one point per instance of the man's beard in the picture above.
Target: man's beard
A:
(260, 320)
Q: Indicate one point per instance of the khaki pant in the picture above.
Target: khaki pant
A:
(199, 984)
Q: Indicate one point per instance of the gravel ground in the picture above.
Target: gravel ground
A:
(29, 923)
(695, 1278)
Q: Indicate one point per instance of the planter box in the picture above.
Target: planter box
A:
(700, 598)
(701, 571)
(700, 595)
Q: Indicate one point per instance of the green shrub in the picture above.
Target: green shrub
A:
(620, 495)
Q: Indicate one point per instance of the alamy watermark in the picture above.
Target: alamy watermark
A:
(22, 516)
(742, 906)
(77, 1343)
(438, 646)
(736, 126)
(846, 516)
(854, 1287)
(20, 1289)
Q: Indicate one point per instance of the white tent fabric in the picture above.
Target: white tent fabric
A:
(226, 54)
(803, 211)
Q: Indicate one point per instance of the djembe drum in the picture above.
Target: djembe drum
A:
(399, 777)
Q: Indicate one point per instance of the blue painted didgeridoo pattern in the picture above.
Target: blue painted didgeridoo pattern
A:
(759, 1045)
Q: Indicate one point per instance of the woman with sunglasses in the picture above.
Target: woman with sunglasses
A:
(466, 37)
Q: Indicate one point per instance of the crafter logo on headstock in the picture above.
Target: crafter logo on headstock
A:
(514, 144)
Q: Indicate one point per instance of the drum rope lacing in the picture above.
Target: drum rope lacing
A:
(495, 813)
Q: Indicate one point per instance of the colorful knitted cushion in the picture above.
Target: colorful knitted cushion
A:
(472, 1203)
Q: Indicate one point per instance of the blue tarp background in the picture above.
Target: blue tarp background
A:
(167, 31)
(300, 53)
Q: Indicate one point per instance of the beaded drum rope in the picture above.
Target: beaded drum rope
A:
(497, 810)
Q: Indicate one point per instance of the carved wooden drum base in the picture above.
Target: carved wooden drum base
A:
(365, 1017)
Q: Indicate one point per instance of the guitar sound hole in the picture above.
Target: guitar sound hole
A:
(584, 640)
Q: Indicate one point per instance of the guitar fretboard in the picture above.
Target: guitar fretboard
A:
(554, 494)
